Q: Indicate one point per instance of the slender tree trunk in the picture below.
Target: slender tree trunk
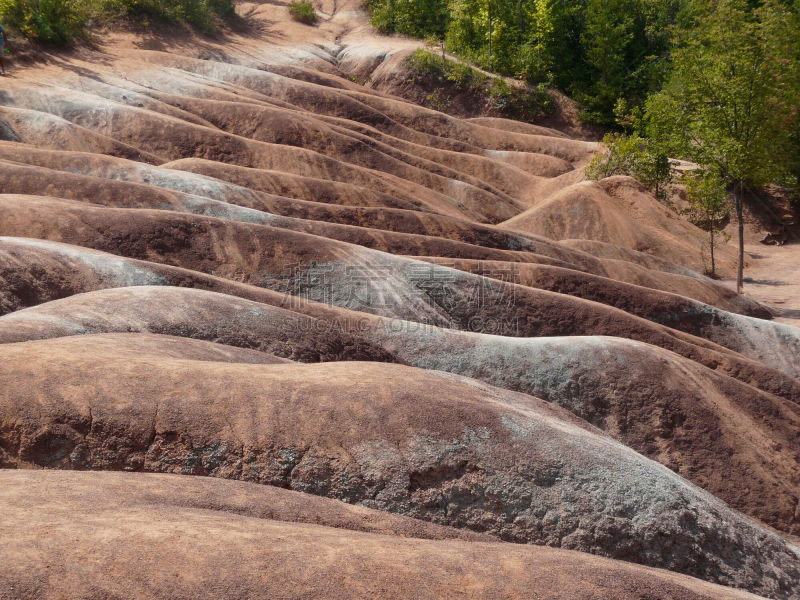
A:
(740, 217)
(711, 244)
(489, 10)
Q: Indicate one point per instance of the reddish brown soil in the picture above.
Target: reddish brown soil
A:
(184, 220)
(774, 279)
(437, 447)
(62, 535)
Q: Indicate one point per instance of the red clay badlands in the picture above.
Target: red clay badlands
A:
(346, 346)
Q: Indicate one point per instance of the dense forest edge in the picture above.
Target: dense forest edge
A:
(715, 82)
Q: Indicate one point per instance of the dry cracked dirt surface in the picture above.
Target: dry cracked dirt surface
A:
(267, 332)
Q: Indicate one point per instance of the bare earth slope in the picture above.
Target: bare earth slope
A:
(223, 257)
(245, 541)
(440, 448)
(652, 400)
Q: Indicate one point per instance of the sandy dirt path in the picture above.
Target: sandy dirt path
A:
(773, 277)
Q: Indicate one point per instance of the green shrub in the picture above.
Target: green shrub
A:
(303, 11)
(523, 103)
(426, 65)
(225, 9)
(464, 76)
(200, 13)
(631, 155)
(59, 21)
(48, 21)
(451, 78)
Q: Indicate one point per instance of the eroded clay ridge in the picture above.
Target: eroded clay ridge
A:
(226, 258)
(246, 541)
(425, 444)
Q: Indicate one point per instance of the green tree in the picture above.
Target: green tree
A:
(708, 207)
(792, 43)
(609, 32)
(557, 41)
(535, 59)
(468, 24)
(417, 18)
(633, 156)
(725, 105)
(486, 32)
(626, 45)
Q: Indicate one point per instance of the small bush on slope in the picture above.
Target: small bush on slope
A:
(303, 11)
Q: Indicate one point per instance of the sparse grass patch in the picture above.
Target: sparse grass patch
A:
(449, 80)
(524, 104)
(303, 11)
(424, 64)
